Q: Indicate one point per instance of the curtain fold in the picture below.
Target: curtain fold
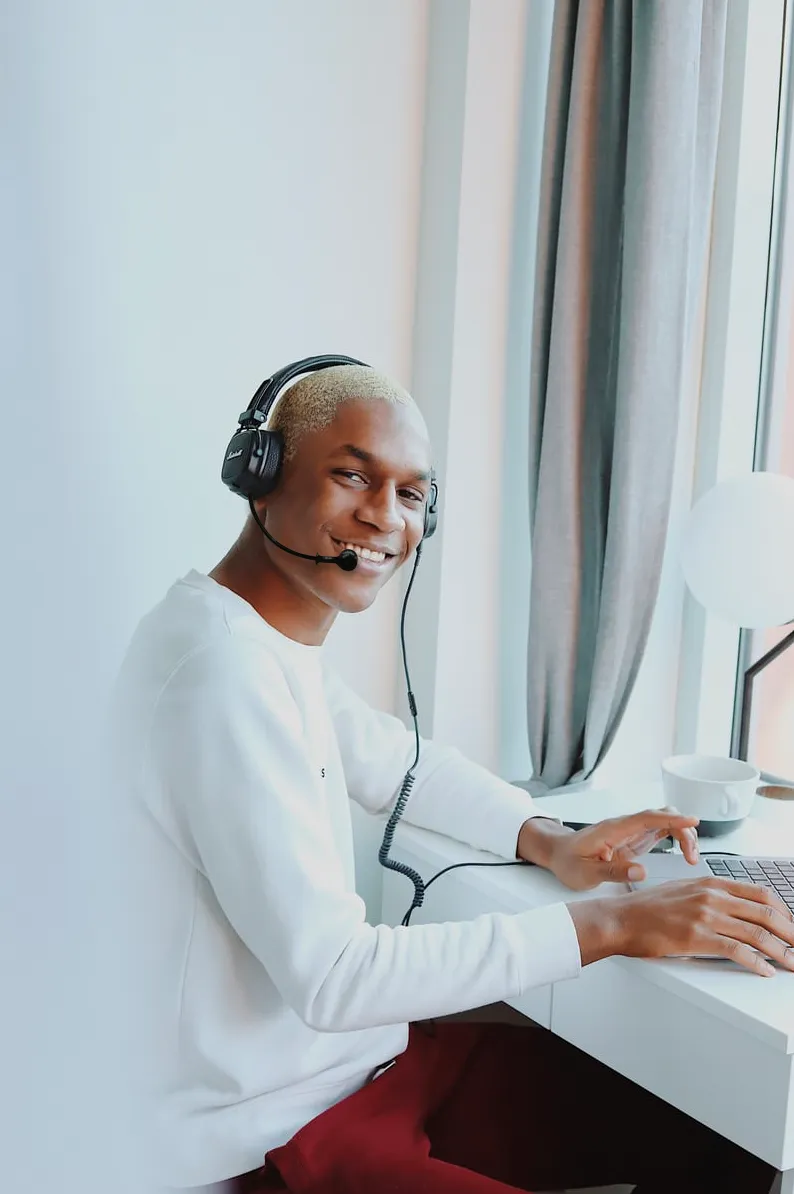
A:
(629, 158)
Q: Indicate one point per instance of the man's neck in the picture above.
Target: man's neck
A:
(247, 571)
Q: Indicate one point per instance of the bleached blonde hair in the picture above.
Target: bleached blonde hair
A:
(312, 401)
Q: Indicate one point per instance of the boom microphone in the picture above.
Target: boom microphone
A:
(347, 560)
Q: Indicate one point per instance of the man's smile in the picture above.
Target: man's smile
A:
(370, 554)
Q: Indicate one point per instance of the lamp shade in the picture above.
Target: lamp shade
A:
(738, 550)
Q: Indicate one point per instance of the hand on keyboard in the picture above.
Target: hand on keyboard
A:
(775, 873)
(716, 917)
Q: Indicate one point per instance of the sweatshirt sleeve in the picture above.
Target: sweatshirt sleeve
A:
(451, 794)
(228, 750)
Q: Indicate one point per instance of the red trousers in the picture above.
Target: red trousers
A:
(493, 1108)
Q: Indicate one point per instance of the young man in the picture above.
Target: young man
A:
(277, 1010)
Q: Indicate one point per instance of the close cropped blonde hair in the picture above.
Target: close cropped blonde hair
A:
(312, 402)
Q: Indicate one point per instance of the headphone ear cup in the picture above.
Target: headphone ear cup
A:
(252, 462)
(266, 462)
(431, 511)
(253, 457)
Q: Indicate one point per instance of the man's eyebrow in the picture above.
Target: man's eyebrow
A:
(367, 458)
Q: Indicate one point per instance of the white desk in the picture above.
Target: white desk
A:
(708, 1037)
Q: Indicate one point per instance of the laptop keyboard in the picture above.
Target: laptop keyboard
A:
(775, 873)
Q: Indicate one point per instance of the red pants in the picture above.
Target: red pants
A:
(492, 1108)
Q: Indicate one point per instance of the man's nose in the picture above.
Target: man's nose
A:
(383, 511)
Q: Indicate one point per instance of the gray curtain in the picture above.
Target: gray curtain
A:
(629, 154)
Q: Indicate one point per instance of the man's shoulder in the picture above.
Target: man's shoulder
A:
(191, 635)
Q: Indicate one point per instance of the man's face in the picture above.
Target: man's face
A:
(360, 483)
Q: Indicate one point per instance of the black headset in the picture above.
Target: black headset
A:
(253, 459)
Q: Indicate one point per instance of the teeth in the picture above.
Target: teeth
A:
(364, 553)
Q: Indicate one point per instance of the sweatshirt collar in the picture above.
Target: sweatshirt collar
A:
(237, 606)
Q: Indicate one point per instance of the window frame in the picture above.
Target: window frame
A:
(776, 353)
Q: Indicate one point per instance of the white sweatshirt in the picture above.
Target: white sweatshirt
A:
(270, 996)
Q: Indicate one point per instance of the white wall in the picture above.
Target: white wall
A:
(193, 193)
(205, 192)
(475, 85)
(229, 187)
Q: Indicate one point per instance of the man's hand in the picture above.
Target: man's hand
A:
(691, 917)
(606, 852)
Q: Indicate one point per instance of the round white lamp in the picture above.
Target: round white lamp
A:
(738, 561)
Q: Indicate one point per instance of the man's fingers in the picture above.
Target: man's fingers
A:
(659, 820)
(688, 840)
(772, 917)
(644, 842)
(774, 939)
(755, 893)
(663, 818)
(754, 921)
(624, 870)
(744, 955)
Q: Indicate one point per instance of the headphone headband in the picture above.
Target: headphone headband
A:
(263, 400)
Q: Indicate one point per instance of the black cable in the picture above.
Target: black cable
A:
(406, 920)
(408, 782)
(401, 868)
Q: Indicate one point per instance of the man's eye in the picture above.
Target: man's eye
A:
(350, 474)
(412, 496)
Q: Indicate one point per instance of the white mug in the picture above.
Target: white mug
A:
(717, 790)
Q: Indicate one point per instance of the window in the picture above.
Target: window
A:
(771, 741)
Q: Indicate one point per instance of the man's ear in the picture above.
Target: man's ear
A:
(260, 505)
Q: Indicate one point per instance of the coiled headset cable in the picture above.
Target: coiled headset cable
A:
(401, 868)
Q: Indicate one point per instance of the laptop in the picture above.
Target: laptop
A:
(775, 873)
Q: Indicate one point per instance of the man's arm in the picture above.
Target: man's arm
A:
(456, 796)
(451, 794)
(743, 922)
(250, 809)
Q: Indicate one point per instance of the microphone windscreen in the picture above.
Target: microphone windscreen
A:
(347, 560)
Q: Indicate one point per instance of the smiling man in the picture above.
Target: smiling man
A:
(359, 482)
(278, 1017)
